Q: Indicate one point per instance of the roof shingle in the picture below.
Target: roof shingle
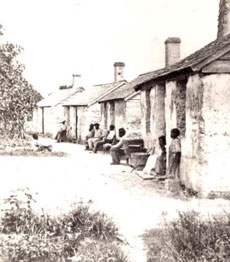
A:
(122, 92)
(58, 97)
(92, 94)
(192, 62)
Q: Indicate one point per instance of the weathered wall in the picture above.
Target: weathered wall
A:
(104, 115)
(216, 138)
(152, 110)
(57, 116)
(37, 120)
(82, 123)
(48, 120)
(147, 116)
(94, 113)
(109, 114)
(133, 117)
(159, 111)
(120, 116)
(67, 115)
(170, 109)
(206, 147)
(143, 113)
(71, 116)
(193, 165)
(35, 123)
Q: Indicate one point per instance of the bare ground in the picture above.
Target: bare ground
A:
(135, 205)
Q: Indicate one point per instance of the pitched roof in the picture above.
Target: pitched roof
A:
(192, 63)
(79, 99)
(58, 97)
(122, 92)
(92, 95)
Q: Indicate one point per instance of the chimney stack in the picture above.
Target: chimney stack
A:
(76, 80)
(224, 18)
(118, 71)
(172, 50)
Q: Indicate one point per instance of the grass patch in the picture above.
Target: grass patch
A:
(78, 235)
(30, 152)
(23, 147)
(190, 238)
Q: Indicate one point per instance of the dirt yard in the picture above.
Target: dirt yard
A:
(135, 205)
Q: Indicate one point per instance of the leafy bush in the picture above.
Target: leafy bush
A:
(29, 236)
(191, 239)
(94, 251)
(18, 97)
(22, 247)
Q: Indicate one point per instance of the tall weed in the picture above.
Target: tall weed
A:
(191, 238)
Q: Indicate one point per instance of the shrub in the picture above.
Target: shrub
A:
(28, 236)
(94, 251)
(91, 224)
(191, 238)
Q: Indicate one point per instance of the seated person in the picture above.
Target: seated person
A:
(40, 145)
(116, 150)
(90, 135)
(98, 135)
(156, 163)
(107, 139)
(62, 132)
(107, 146)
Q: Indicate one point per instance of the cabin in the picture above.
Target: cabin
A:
(50, 112)
(122, 108)
(193, 95)
(83, 108)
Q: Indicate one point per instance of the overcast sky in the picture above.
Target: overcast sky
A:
(62, 37)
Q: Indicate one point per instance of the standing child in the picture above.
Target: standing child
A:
(174, 155)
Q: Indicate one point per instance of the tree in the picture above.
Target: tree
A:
(17, 97)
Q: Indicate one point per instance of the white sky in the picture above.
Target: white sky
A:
(62, 37)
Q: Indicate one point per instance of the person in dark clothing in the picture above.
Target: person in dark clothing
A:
(61, 134)
(117, 150)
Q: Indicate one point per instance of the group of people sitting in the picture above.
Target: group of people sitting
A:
(107, 140)
(156, 163)
(97, 138)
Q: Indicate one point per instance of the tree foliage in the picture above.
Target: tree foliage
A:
(18, 98)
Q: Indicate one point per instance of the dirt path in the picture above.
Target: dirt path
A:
(134, 204)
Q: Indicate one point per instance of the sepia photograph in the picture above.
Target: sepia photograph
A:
(115, 130)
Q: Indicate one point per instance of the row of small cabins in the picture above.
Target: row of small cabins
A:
(191, 94)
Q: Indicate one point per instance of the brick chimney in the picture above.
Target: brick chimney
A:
(76, 80)
(118, 71)
(224, 18)
(172, 50)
